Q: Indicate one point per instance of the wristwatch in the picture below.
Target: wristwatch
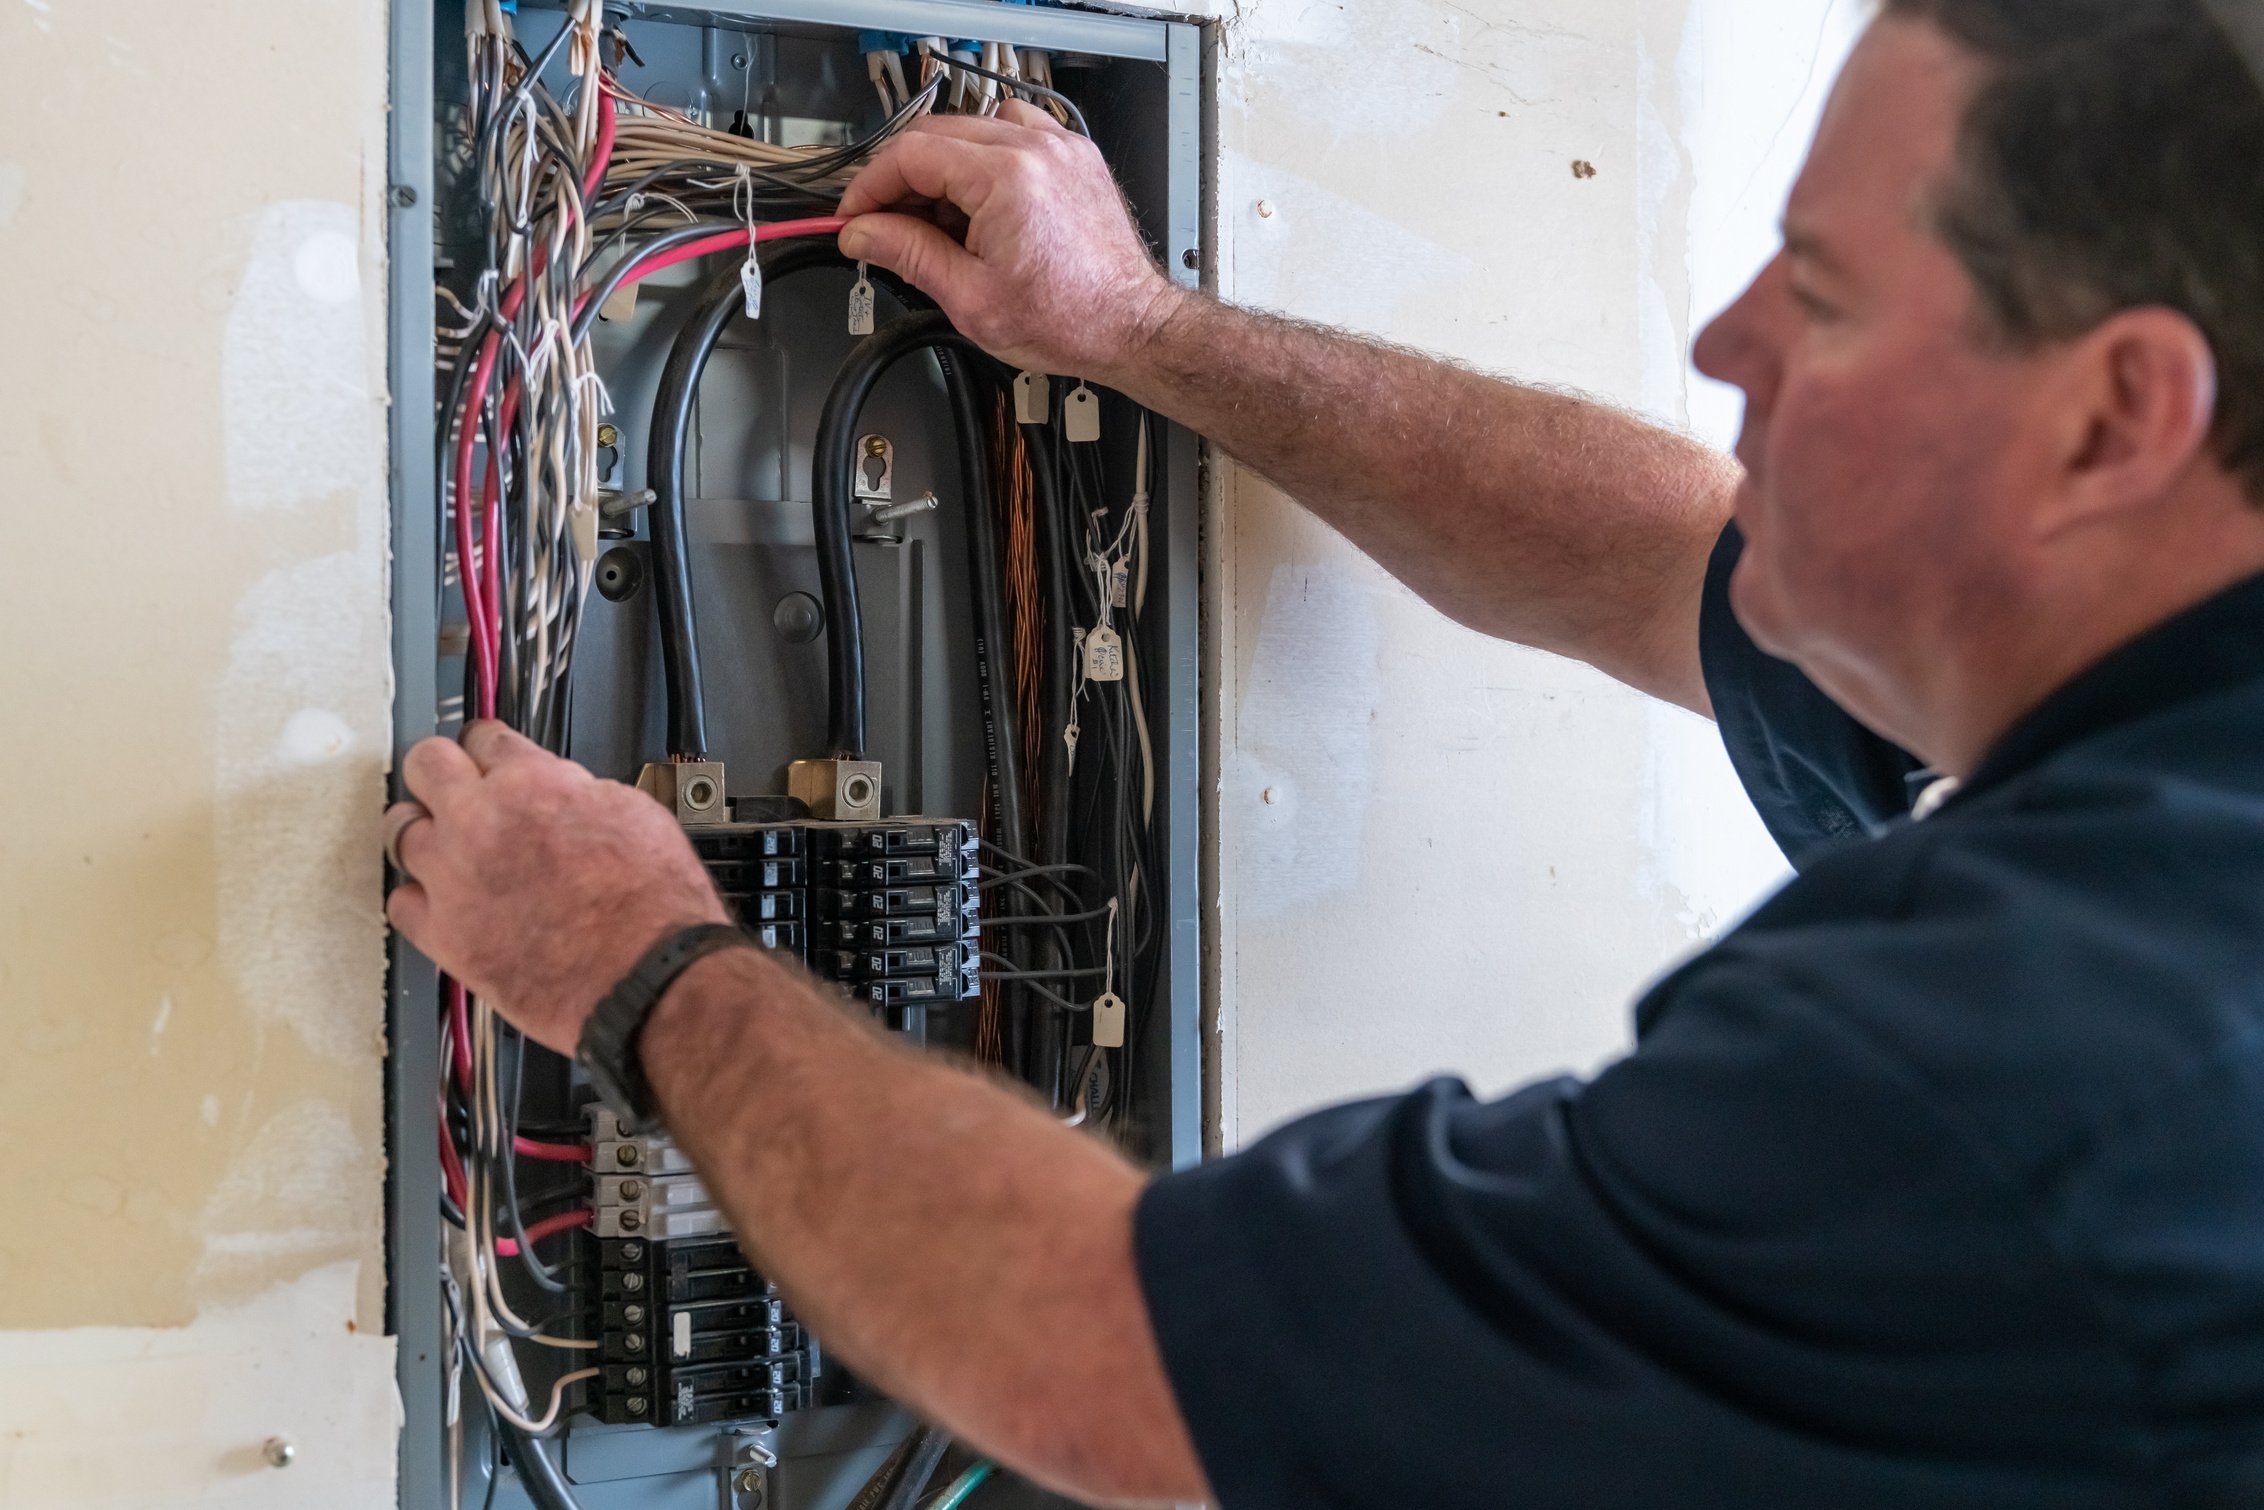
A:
(608, 1049)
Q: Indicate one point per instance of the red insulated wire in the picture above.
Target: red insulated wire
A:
(460, 1033)
(603, 157)
(549, 1226)
(483, 604)
(451, 1167)
(723, 241)
(551, 1153)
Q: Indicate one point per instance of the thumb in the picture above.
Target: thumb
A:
(916, 251)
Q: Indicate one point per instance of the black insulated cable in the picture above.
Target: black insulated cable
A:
(539, 1474)
(831, 492)
(666, 458)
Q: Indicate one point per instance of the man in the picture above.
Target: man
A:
(1941, 1181)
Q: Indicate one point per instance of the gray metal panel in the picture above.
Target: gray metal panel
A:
(979, 20)
(1174, 216)
(413, 1152)
(1182, 740)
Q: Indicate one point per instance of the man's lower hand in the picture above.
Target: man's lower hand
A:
(1016, 228)
(531, 881)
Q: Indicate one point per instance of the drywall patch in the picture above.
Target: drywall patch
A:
(301, 785)
(294, 369)
(202, 1400)
(11, 191)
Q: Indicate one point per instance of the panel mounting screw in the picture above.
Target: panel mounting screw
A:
(279, 1452)
(404, 195)
(608, 435)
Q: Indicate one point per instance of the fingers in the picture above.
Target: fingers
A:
(491, 744)
(408, 829)
(914, 250)
(924, 164)
(437, 773)
(1021, 112)
(408, 909)
(993, 129)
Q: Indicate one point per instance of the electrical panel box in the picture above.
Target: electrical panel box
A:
(697, 404)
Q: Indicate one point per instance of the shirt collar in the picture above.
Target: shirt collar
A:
(2212, 647)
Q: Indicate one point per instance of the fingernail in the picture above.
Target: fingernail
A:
(853, 238)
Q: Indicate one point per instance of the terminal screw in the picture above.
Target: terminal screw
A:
(637, 1405)
(631, 1221)
(626, 1156)
(632, 1281)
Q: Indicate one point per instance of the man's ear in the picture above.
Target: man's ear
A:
(2139, 398)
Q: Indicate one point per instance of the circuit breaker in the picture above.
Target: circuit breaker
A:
(905, 640)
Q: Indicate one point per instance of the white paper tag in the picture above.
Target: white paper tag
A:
(1032, 398)
(1081, 414)
(1119, 584)
(619, 305)
(751, 283)
(1104, 656)
(861, 305)
(1109, 1016)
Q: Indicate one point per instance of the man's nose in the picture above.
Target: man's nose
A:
(1734, 348)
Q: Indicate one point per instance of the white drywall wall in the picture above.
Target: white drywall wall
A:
(194, 709)
(1439, 853)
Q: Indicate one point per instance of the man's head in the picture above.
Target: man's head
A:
(2006, 382)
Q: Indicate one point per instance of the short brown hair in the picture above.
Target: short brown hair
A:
(2114, 158)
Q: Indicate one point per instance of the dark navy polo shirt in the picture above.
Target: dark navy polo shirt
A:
(1938, 1183)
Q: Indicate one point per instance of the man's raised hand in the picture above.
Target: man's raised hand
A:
(1016, 228)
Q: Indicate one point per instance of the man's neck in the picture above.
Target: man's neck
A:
(2082, 615)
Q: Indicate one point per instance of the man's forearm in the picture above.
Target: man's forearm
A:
(957, 1245)
(1535, 516)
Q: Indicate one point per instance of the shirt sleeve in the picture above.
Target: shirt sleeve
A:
(1819, 778)
(1744, 1266)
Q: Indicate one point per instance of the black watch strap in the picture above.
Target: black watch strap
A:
(608, 1050)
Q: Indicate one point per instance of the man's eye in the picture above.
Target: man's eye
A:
(1817, 310)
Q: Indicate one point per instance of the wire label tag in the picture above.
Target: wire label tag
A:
(861, 304)
(1119, 583)
(751, 282)
(1104, 655)
(1108, 1021)
(1081, 415)
(1032, 398)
